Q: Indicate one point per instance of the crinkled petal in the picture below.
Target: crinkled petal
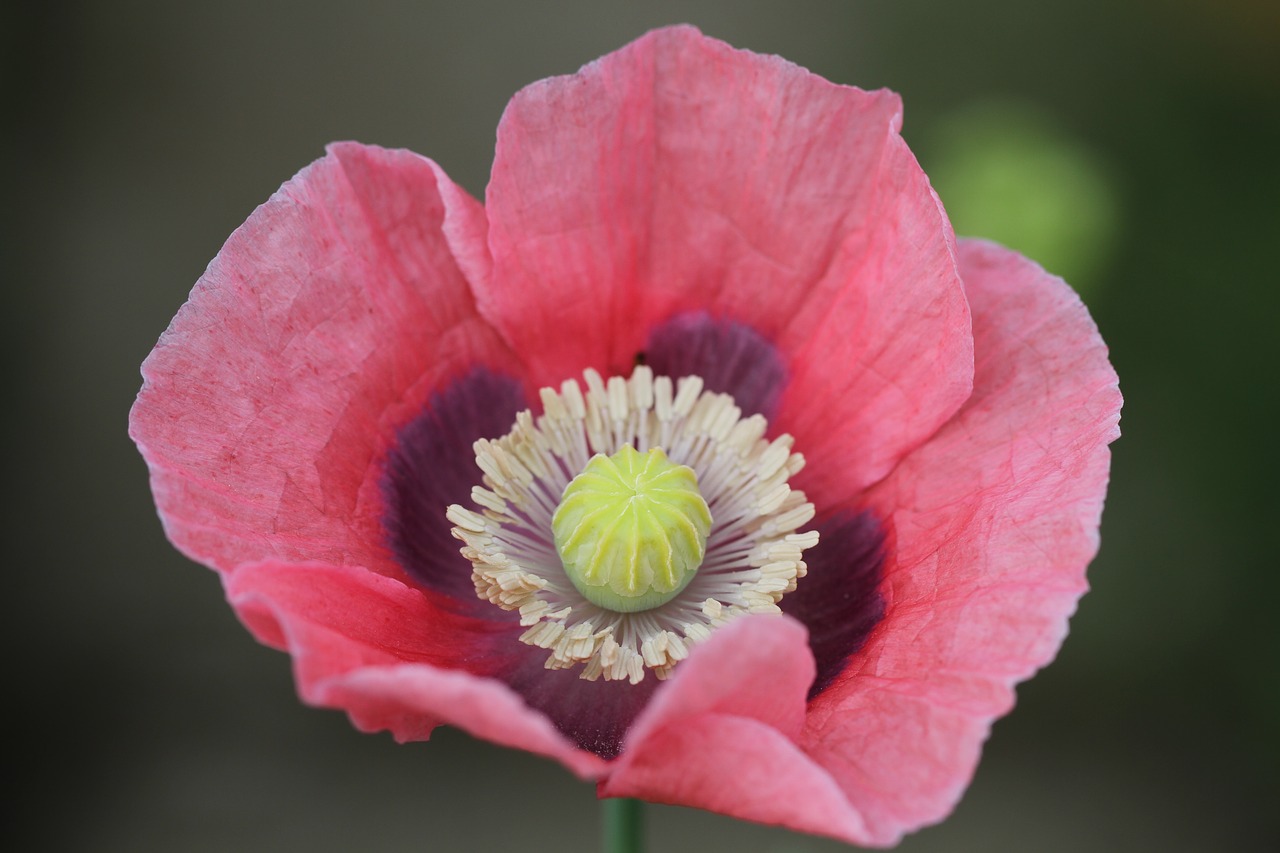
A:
(680, 175)
(720, 734)
(390, 657)
(994, 522)
(323, 324)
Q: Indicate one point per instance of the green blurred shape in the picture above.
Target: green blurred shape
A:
(1007, 172)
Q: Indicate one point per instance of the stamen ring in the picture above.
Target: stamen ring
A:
(753, 554)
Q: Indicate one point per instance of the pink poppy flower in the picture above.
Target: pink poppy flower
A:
(309, 419)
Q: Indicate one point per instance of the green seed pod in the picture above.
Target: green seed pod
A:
(631, 529)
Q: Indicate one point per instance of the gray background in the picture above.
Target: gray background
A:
(138, 135)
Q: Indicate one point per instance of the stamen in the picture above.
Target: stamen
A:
(752, 554)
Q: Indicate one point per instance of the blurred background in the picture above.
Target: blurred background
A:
(1130, 146)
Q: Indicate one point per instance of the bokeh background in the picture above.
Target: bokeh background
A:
(1132, 146)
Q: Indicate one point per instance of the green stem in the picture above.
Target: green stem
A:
(623, 826)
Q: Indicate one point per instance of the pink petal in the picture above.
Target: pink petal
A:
(333, 619)
(758, 667)
(720, 735)
(388, 656)
(995, 520)
(323, 324)
(739, 767)
(681, 175)
(397, 698)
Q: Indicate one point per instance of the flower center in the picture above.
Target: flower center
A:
(628, 523)
(632, 529)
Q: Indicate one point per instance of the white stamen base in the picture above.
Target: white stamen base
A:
(753, 555)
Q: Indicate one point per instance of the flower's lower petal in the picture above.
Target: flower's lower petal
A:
(739, 767)
(324, 322)
(679, 175)
(756, 666)
(391, 657)
(720, 735)
(333, 619)
(396, 698)
(994, 521)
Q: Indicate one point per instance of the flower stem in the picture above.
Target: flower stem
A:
(623, 826)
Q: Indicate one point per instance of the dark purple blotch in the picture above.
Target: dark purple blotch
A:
(731, 357)
(839, 599)
(433, 465)
(596, 715)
